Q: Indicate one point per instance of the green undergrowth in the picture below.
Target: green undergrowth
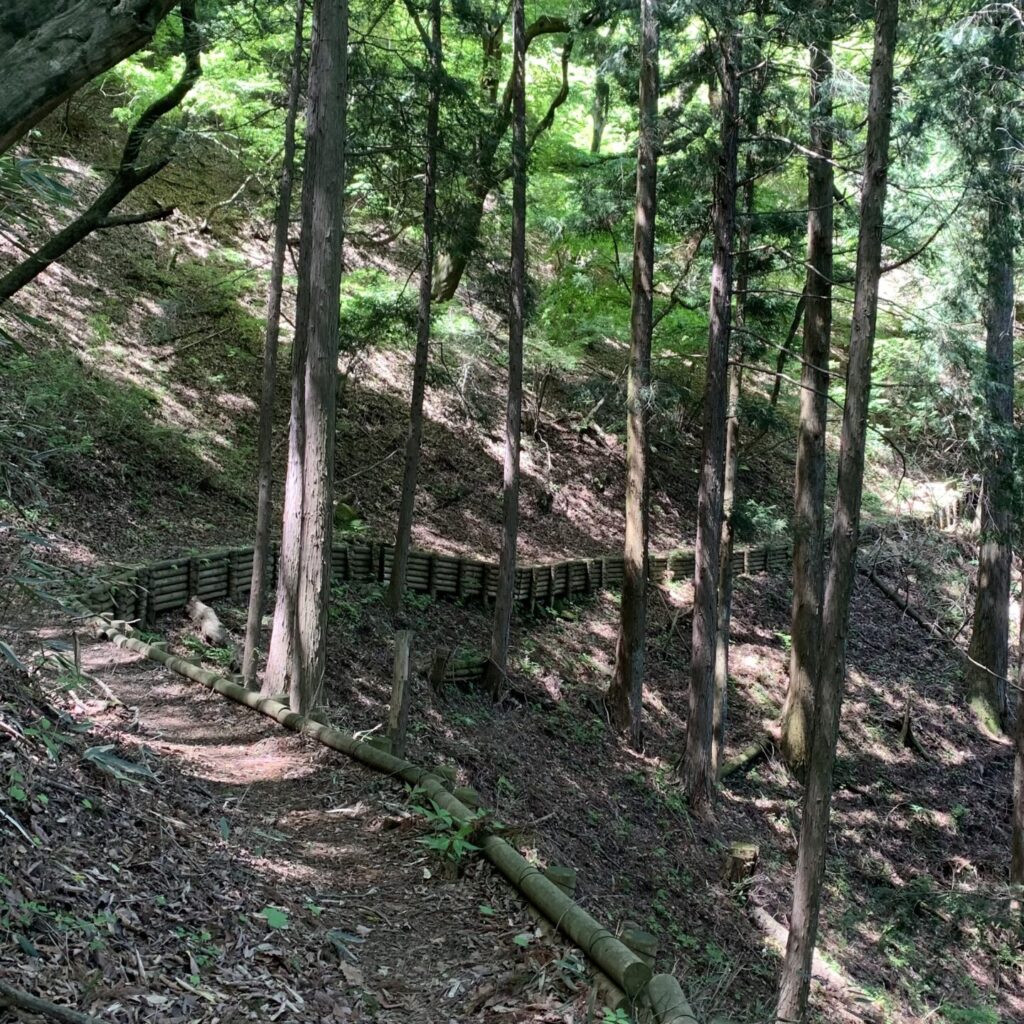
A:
(66, 428)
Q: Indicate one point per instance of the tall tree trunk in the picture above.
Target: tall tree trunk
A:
(751, 58)
(130, 173)
(810, 868)
(599, 112)
(699, 777)
(497, 665)
(298, 645)
(414, 437)
(987, 669)
(49, 50)
(625, 694)
(261, 544)
(809, 485)
(732, 459)
(1017, 838)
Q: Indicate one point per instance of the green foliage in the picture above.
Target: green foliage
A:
(755, 521)
(619, 1016)
(451, 840)
(217, 655)
(275, 917)
(375, 311)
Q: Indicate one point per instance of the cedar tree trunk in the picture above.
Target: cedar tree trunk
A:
(497, 665)
(298, 646)
(625, 694)
(261, 544)
(698, 771)
(810, 868)
(809, 485)
(414, 437)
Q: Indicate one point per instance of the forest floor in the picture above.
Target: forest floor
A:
(127, 432)
(379, 928)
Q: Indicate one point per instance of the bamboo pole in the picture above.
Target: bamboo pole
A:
(668, 1002)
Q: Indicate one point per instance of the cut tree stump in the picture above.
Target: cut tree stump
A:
(740, 862)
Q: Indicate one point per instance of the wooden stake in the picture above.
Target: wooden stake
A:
(438, 668)
(398, 720)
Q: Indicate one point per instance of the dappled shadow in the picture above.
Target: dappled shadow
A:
(337, 843)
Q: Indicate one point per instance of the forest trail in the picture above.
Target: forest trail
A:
(340, 844)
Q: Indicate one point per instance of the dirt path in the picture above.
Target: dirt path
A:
(340, 844)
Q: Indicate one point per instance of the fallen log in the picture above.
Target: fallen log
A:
(668, 1002)
(778, 935)
(761, 747)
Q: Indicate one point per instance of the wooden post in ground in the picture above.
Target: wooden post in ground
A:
(398, 720)
(438, 668)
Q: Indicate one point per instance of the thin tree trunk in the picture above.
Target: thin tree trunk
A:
(625, 694)
(732, 458)
(298, 649)
(809, 485)
(261, 544)
(51, 49)
(784, 349)
(989, 649)
(699, 778)
(414, 437)
(810, 868)
(129, 175)
(599, 112)
(497, 665)
(1017, 838)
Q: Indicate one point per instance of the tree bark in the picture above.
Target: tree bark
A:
(625, 693)
(414, 437)
(49, 50)
(1017, 837)
(298, 646)
(732, 422)
(261, 544)
(732, 457)
(129, 175)
(497, 665)
(809, 484)
(699, 775)
(989, 648)
(810, 868)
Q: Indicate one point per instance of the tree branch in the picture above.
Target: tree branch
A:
(120, 220)
(10, 996)
(128, 176)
